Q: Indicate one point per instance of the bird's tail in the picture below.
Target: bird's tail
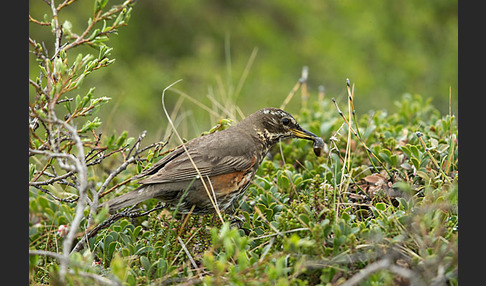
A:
(134, 197)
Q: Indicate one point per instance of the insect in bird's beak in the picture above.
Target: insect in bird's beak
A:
(318, 145)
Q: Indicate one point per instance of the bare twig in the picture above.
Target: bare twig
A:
(136, 145)
(387, 264)
(56, 198)
(55, 255)
(57, 30)
(115, 173)
(64, 4)
(188, 254)
(52, 180)
(114, 188)
(81, 169)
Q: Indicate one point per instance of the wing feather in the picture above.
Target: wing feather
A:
(212, 154)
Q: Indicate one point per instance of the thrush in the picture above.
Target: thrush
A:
(226, 164)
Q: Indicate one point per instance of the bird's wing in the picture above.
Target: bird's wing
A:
(161, 163)
(213, 155)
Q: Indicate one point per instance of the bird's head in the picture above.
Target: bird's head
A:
(273, 124)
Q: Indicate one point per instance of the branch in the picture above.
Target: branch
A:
(64, 4)
(387, 264)
(55, 255)
(56, 198)
(81, 170)
(57, 30)
(52, 180)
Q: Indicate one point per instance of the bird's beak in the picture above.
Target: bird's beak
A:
(302, 133)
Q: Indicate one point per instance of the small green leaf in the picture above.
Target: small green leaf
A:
(99, 5)
(31, 171)
(415, 151)
(423, 175)
(118, 267)
(121, 139)
(59, 65)
(67, 26)
(145, 263)
(77, 101)
(33, 261)
(415, 163)
(161, 267)
(380, 206)
(90, 125)
(406, 150)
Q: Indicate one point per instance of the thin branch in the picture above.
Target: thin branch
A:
(81, 39)
(387, 264)
(64, 4)
(57, 30)
(189, 255)
(56, 198)
(50, 181)
(136, 145)
(38, 53)
(115, 173)
(114, 188)
(81, 169)
(31, 19)
(55, 255)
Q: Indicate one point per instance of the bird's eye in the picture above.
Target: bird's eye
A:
(285, 121)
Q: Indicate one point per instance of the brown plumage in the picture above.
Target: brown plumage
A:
(227, 161)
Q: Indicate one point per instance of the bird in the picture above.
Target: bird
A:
(226, 164)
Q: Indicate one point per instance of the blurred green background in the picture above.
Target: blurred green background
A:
(386, 48)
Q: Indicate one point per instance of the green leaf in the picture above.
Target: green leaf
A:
(77, 102)
(406, 150)
(90, 125)
(118, 267)
(161, 267)
(415, 151)
(99, 5)
(121, 139)
(380, 206)
(423, 175)
(136, 232)
(393, 160)
(415, 163)
(305, 218)
(32, 169)
(144, 261)
(33, 261)
(67, 26)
